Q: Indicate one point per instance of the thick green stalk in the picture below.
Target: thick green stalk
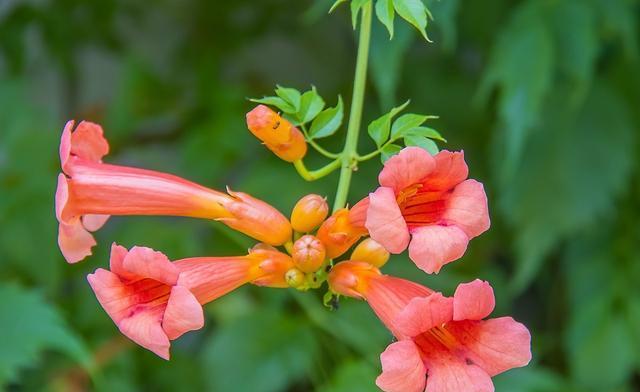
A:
(349, 154)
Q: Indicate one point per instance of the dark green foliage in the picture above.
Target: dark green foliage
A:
(542, 95)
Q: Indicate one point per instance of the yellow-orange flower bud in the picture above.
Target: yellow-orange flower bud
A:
(351, 278)
(370, 252)
(294, 277)
(271, 269)
(338, 233)
(278, 134)
(308, 213)
(308, 253)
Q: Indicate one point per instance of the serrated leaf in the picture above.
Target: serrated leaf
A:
(30, 326)
(388, 151)
(336, 4)
(290, 95)
(425, 132)
(406, 122)
(356, 5)
(386, 14)
(327, 122)
(414, 12)
(422, 142)
(311, 104)
(379, 128)
(277, 102)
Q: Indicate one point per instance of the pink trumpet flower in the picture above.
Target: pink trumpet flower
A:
(89, 191)
(153, 300)
(427, 203)
(444, 345)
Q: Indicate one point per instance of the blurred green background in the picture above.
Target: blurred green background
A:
(543, 96)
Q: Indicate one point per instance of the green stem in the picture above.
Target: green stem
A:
(349, 154)
(366, 157)
(315, 174)
(316, 146)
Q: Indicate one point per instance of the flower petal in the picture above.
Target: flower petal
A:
(467, 208)
(65, 143)
(88, 142)
(402, 368)
(447, 373)
(93, 222)
(147, 263)
(183, 313)
(385, 222)
(473, 301)
(495, 345)
(407, 168)
(450, 170)
(423, 313)
(144, 328)
(74, 241)
(62, 197)
(433, 246)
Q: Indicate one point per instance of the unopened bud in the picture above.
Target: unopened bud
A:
(338, 233)
(308, 253)
(370, 252)
(308, 213)
(294, 277)
(278, 134)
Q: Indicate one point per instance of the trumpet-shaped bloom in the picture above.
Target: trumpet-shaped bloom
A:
(277, 134)
(444, 345)
(153, 300)
(89, 191)
(426, 203)
(340, 231)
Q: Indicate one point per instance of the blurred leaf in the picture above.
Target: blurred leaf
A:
(353, 376)
(387, 59)
(530, 379)
(414, 12)
(30, 326)
(574, 170)
(327, 122)
(523, 83)
(386, 13)
(311, 104)
(389, 151)
(444, 14)
(263, 352)
(379, 128)
(422, 142)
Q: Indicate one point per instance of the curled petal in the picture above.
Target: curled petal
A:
(407, 168)
(402, 368)
(385, 222)
(147, 263)
(75, 241)
(473, 301)
(144, 328)
(450, 170)
(93, 222)
(433, 246)
(467, 208)
(447, 373)
(183, 313)
(423, 313)
(88, 142)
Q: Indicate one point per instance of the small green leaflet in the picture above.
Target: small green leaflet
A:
(388, 151)
(336, 4)
(311, 104)
(386, 14)
(289, 95)
(407, 122)
(327, 122)
(414, 12)
(425, 132)
(277, 102)
(379, 129)
(422, 142)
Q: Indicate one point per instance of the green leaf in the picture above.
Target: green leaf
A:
(379, 128)
(422, 142)
(30, 326)
(353, 376)
(290, 95)
(389, 151)
(266, 351)
(405, 123)
(356, 5)
(531, 379)
(425, 132)
(386, 13)
(277, 102)
(567, 184)
(336, 4)
(327, 122)
(414, 12)
(311, 104)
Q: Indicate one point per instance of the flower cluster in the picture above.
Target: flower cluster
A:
(424, 203)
